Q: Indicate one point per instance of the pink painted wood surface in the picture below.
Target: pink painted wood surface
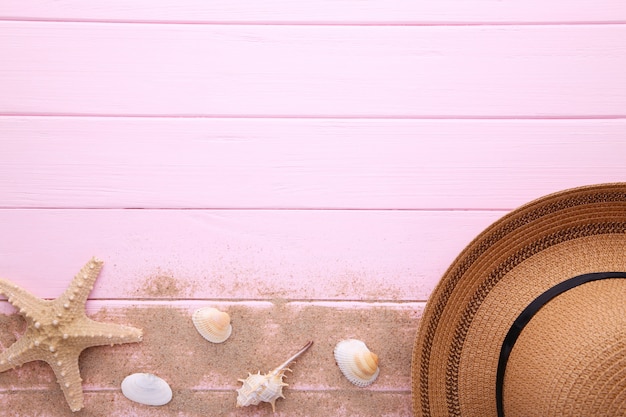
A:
(301, 403)
(381, 318)
(311, 71)
(305, 163)
(307, 403)
(237, 255)
(310, 167)
(204, 376)
(320, 11)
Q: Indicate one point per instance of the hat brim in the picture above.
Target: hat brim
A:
(519, 257)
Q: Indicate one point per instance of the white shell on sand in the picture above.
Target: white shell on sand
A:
(146, 389)
(213, 324)
(356, 362)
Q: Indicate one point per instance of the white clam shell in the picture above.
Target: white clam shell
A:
(146, 389)
(356, 362)
(213, 324)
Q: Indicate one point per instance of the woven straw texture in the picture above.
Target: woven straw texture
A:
(499, 274)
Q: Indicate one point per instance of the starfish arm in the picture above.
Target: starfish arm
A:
(25, 302)
(94, 333)
(19, 353)
(58, 331)
(65, 367)
(75, 296)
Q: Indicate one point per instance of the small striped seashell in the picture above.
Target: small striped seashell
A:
(267, 388)
(146, 389)
(212, 324)
(356, 362)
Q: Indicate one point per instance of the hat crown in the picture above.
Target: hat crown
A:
(570, 358)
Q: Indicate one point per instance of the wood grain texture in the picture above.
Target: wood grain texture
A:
(237, 255)
(204, 375)
(311, 71)
(320, 11)
(284, 163)
(311, 167)
(202, 404)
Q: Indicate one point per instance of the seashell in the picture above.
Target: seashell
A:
(146, 389)
(356, 362)
(212, 324)
(267, 388)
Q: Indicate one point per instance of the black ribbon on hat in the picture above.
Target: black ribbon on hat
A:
(528, 313)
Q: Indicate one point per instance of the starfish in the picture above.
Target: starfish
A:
(58, 331)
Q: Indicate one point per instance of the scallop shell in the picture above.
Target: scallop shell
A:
(356, 362)
(146, 389)
(212, 324)
(267, 388)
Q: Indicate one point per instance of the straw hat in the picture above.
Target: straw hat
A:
(530, 319)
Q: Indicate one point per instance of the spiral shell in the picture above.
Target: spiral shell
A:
(256, 388)
(356, 362)
(212, 324)
(267, 388)
(146, 389)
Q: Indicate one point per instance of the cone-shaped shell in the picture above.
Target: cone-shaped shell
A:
(212, 324)
(257, 388)
(146, 389)
(267, 388)
(356, 362)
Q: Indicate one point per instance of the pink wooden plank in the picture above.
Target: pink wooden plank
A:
(319, 11)
(282, 327)
(301, 163)
(202, 404)
(204, 376)
(262, 255)
(352, 71)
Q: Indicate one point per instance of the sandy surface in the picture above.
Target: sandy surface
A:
(204, 376)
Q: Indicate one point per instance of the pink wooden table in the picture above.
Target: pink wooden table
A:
(310, 167)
